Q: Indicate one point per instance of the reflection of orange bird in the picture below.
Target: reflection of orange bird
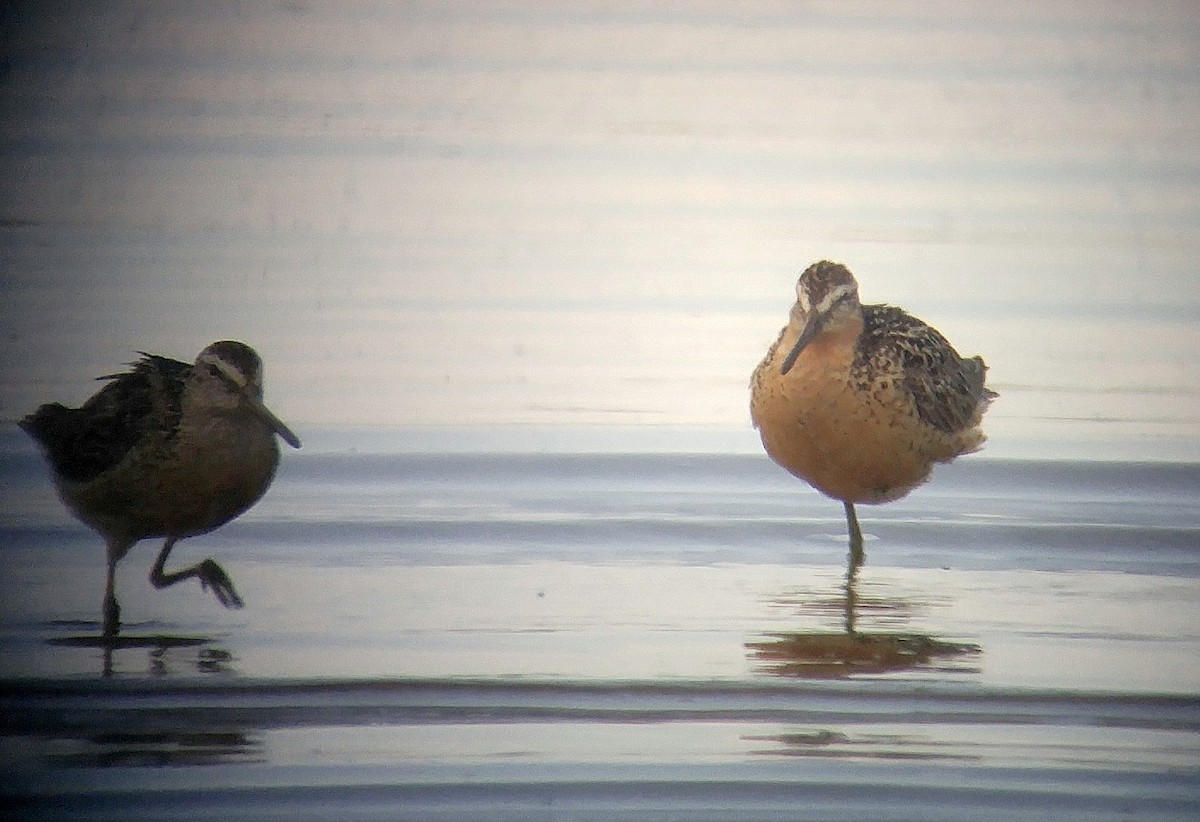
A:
(167, 449)
(859, 400)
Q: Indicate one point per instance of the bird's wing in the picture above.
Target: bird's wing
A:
(947, 390)
(82, 443)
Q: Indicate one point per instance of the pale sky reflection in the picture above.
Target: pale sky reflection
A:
(525, 214)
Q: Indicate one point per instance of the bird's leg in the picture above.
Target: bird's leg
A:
(852, 594)
(856, 537)
(851, 599)
(854, 562)
(111, 610)
(210, 574)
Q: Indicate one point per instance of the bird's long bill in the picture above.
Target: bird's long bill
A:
(274, 421)
(812, 327)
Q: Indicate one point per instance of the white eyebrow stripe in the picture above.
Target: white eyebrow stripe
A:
(802, 295)
(832, 296)
(231, 373)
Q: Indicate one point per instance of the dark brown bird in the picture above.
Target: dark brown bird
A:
(861, 400)
(166, 449)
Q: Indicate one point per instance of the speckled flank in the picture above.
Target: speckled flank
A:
(900, 354)
(874, 398)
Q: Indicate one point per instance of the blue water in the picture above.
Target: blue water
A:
(440, 633)
(453, 507)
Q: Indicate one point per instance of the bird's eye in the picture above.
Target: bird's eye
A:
(213, 370)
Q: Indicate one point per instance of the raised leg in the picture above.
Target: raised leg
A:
(856, 538)
(210, 574)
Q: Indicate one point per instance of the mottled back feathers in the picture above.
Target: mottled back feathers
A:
(82, 443)
(947, 390)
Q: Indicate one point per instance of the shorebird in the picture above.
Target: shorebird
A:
(165, 449)
(861, 400)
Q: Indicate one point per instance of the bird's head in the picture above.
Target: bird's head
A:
(826, 299)
(236, 369)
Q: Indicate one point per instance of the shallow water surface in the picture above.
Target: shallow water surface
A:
(601, 633)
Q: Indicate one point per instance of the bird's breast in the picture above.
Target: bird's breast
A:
(851, 441)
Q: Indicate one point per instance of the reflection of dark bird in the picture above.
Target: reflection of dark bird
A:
(166, 449)
(861, 400)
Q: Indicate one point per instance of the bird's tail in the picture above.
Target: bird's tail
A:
(976, 375)
(53, 427)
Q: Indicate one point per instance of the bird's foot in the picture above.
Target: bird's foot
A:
(213, 576)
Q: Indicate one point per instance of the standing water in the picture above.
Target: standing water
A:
(509, 267)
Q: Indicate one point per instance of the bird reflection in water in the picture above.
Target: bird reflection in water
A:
(832, 654)
(158, 748)
(164, 652)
